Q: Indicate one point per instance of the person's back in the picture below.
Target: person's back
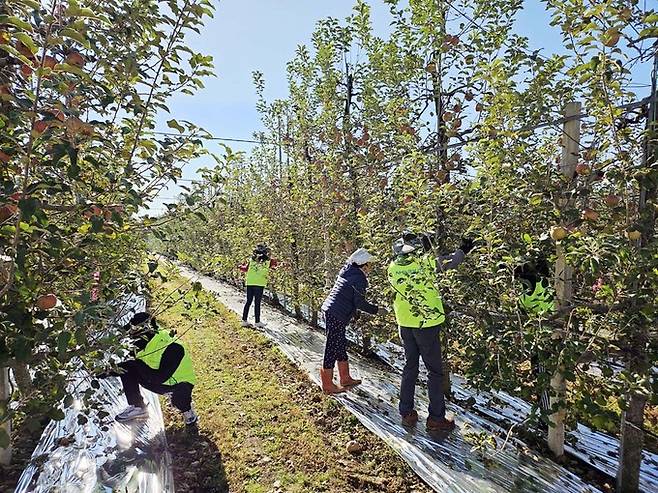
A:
(161, 364)
(348, 294)
(257, 271)
(419, 313)
(417, 302)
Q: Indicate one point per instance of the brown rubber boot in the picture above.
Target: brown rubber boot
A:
(344, 374)
(328, 385)
(440, 424)
(410, 419)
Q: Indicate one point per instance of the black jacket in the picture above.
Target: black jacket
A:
(348, 295)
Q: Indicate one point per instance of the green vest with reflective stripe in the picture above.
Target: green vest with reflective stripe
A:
(152, 354)
(257, 273)
(417, 302)
(539, 302)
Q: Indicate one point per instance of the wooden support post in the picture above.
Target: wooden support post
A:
(563, 277)
(5, 392)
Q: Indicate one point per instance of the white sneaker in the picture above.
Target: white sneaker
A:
(245, 323)
(132, 412)
(261, 325)
(191, 417)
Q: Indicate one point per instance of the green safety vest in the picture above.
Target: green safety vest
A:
(257, 273)
(539, 302)
(417, 302)
(152, 354)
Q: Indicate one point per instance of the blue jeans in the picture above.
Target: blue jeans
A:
(423, 343)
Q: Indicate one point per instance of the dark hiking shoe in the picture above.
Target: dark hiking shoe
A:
(410, 419)
(440, 424)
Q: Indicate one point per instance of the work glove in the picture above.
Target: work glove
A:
(467, 245)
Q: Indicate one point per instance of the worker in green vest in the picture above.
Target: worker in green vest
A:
(419, 314)
(257, 271)
(162, 364)
(536, 301)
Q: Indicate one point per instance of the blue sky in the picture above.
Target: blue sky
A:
(248, 35)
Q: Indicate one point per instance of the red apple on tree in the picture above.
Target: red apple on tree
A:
(39, 127)
(612, 200)
(589, 214)
(46, 302)
(49, 62)
(583, 169)
(26, 71)
(76, 59)
(7, 211)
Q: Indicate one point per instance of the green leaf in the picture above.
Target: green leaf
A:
(27, 41)
(73, 171)
(15, 21)
(97, 224)
(174, 124)
(75, 36)
(28, 207)
(651, 18)
(71, 69)
(63, 341)
(55, 414)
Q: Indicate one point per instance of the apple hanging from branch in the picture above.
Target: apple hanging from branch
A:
(612, 200)
(558, 233)
(589, 214)
(46, 302)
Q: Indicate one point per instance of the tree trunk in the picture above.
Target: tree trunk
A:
(631, 444)
(5, 393)
(22, 377)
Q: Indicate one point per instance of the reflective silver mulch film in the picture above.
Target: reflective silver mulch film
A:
(446, 463)
(93, 453)
(595, 448)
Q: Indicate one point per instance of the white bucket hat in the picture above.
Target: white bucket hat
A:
(360, 257)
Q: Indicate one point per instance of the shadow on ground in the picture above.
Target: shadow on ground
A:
(196, 461)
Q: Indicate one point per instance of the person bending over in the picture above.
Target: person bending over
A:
(162, 364)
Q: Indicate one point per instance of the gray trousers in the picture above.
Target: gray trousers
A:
(423, 343)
